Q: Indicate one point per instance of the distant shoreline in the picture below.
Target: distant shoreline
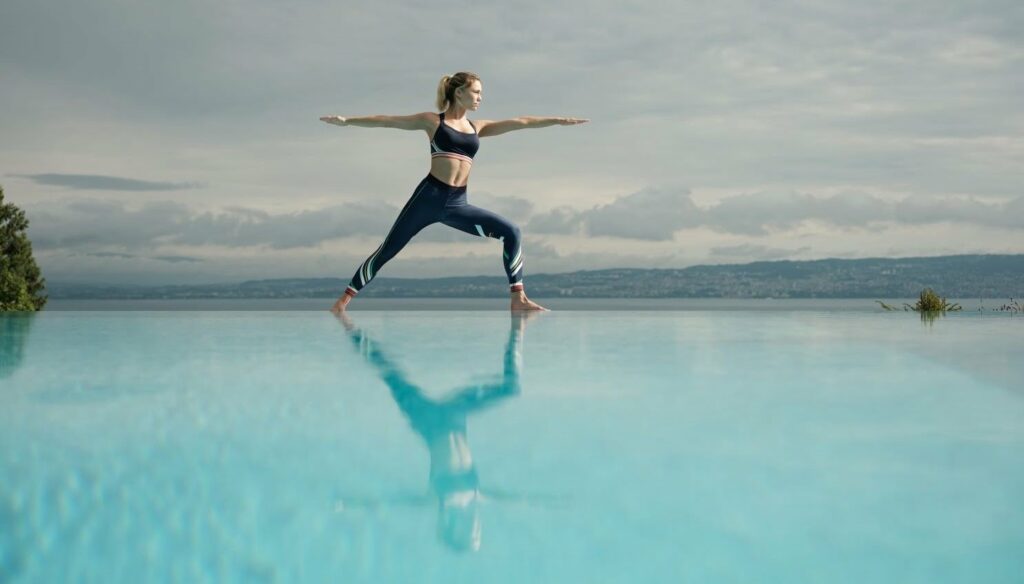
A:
(501, 304)
(998, 277)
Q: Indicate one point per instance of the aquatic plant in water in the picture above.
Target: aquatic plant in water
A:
(927, 303)
(1013, 307)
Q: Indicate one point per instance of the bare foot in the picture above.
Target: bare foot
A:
(341, 303)
(521, 302)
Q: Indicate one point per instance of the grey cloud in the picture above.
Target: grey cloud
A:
(249, 227)
(239, 226)
(105, 183)
(250, 214)
(186, 59)
(177, 259)
(539, 249)
(764, 212)
(165, 56)
(169, 259)
(91, 222)
(94, 207)
(920, 209)
(755, 252)
(656, 214)
(732, 96)
(757, 91)
(653, 214)
(561, 220)
(95, 222)
(755, 214)
(111, 254)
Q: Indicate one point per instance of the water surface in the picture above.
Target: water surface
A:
(453, 446)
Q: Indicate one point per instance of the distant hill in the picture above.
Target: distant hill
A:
(961, 276)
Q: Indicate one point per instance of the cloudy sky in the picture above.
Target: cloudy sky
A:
(178, 142)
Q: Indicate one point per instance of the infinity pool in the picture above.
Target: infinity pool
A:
(677, 446)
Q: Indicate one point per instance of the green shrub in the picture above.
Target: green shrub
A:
(928, 302)
(21, 283)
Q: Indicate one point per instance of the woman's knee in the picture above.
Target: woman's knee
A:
(512, 231)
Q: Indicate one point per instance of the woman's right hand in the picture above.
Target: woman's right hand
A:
(336, 120)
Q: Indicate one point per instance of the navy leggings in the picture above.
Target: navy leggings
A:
(434, 201)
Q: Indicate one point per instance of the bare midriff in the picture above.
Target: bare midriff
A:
(450, 170)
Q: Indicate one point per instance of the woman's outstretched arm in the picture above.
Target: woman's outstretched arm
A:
(420, 121)
(494, 128)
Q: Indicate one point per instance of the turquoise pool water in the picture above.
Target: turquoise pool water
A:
(585, 446)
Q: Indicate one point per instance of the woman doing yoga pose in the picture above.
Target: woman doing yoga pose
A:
(441, 195)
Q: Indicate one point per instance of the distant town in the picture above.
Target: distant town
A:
(961, 276)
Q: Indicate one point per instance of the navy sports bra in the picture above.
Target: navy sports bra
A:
(451, 143)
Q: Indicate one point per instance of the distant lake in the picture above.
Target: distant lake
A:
(364, 304)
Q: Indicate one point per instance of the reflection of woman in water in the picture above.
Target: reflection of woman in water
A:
(441, 423)
(441, 195)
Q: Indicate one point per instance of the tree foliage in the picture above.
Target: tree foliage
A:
(21, 283)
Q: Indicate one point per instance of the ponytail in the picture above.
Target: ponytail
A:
(442, 93)
(449, 83)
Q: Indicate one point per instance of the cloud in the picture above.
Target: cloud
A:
(921, 209)
(766, 104)
(765, 212)
(561, 220)
(728, 96)
(241, 227)
(177, 259)
(652, 214)
(105, 183)
(749, 251)
(979, 51)
(169, 259)
(93, 223)
(539, 249)
(655, 214)
(111, 254)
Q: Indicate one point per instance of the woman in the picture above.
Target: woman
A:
(441, 195)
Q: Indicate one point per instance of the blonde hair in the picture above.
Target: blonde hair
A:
(449, 83)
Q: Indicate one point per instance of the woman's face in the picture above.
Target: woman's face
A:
(470, 96)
